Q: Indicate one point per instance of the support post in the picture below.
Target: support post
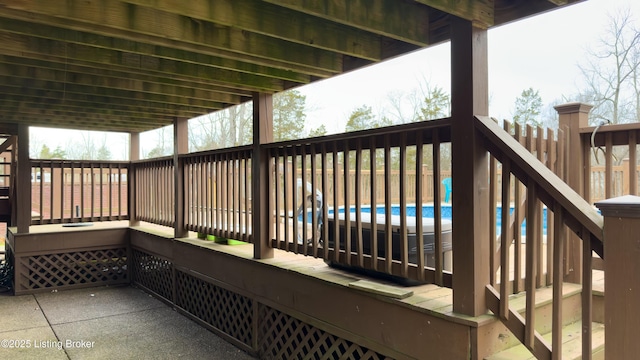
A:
(180, 146)
(23, 181)
(573, 117)
(470, 167)
(260, 171)
(621, 276)
(134, 154)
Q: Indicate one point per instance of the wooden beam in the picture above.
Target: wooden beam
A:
(479, 12)
(179, 32)
(100, 41)
(226, 94)
(512, 11)
(14, 103)
(399, 20)
(90, 101)
(29, 74)
(114, 118)
(470, 174)
(117, 85)
(262, 18)
(70, 89)
(76, 123)
(22, 45)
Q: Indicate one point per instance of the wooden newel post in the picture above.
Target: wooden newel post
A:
(260, 171)
(180, 146)
(622, 276)
(469, 168)
(572, 117)
(23, 180)
(134, 154)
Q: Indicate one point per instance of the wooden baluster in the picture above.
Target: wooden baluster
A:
(374, 202)
(505, 243)
(420, 260)
(358, 205)
(531, 262)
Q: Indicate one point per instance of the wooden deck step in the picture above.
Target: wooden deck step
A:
(501, 339)
(571, 344)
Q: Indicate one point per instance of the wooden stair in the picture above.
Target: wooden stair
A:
(572, 326)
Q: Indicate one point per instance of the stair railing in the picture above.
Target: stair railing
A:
(569, 210)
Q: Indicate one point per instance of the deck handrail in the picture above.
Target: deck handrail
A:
(552, 151)
(502, 145)
(569, 209)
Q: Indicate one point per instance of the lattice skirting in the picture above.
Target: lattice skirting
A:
(282, 336)
(153, 273)
(71, 269)
(278, 335)
(225, 310)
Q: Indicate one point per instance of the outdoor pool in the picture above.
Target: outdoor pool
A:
(428, 211)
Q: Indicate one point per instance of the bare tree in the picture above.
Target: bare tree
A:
(88, 145)
(424, 102)
(610, 72)
(35, 145)
(162, 140)
(221, 129)
(403, 106)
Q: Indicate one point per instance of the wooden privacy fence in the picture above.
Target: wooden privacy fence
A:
(619, 181)
(65, 191)
(611, 161)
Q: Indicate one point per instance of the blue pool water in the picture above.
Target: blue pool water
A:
(428, 210)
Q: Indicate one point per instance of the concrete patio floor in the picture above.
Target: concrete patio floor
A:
(117, 322)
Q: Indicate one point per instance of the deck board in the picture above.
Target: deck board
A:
(427, 298)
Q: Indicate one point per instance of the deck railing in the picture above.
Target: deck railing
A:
(611, 167)
(217, 192)
(154, 191)
(411, 177)
(66, 191)
(311, 210)
(568, 210)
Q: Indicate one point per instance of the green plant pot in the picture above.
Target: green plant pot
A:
(235, 242)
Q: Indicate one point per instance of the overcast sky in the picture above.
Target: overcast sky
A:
(541, 52)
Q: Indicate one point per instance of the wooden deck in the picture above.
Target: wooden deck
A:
(378, 315)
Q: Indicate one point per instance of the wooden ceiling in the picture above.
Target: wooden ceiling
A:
(135, 65)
